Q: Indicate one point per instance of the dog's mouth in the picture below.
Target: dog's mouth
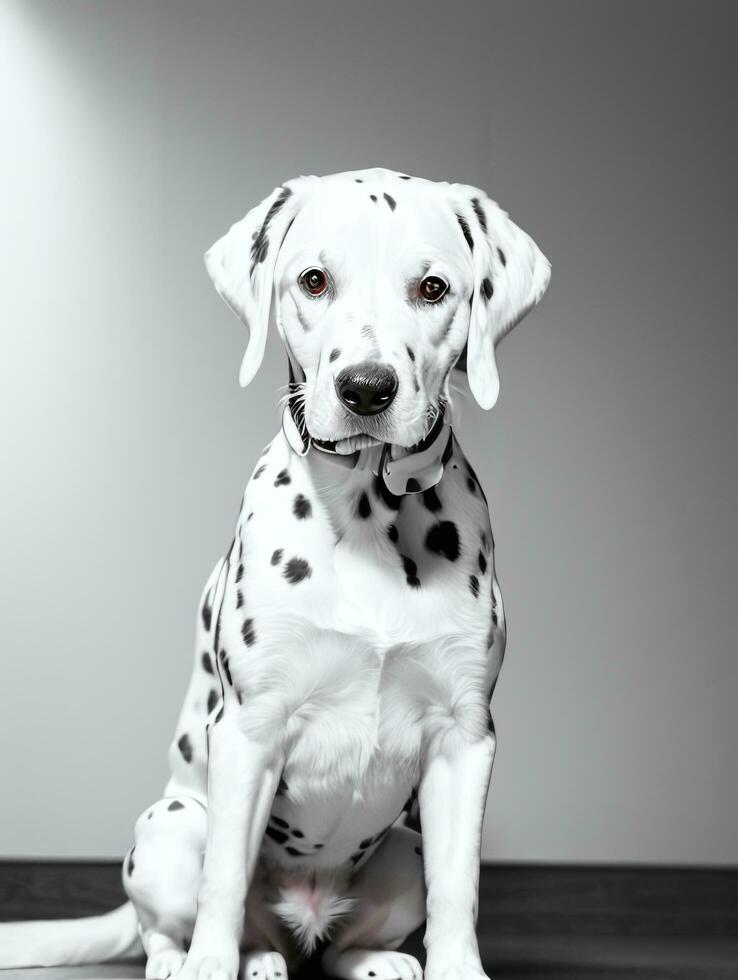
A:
(347, 445)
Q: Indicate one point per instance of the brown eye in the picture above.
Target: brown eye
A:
(432, 289)
(314, 281)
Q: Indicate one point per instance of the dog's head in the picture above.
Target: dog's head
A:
(381, 281)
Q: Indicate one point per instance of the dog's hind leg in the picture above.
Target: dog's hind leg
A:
(161, 874)
(390, 891)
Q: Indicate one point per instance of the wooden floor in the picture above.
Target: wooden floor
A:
(535, 923)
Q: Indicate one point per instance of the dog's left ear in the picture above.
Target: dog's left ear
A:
(241, 264)
(510, 276)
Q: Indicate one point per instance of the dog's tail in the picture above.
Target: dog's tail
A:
(71, 942)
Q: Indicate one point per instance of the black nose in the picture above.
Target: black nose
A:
(367, 388)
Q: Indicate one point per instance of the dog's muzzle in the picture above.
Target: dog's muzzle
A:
(367, 388)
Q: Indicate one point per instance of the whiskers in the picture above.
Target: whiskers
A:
(294, 393)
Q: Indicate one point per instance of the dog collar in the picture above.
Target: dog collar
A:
(401, 470)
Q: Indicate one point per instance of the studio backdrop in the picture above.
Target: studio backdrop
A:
(134, 134)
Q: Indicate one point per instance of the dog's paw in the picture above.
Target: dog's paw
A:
(164, 964)
(201, 966)
(371, 964)
(263, 965)
(462, 971)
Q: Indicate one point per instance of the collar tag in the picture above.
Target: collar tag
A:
(417, 471)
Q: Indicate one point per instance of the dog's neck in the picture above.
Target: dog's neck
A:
(398, 469)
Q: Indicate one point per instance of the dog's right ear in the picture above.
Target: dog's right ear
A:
(241, 264)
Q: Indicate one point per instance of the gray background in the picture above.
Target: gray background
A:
(134, 133)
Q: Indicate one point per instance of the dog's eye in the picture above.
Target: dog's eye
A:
(313, 281)
(432, 288)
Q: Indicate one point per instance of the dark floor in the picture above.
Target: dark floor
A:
(535, 922)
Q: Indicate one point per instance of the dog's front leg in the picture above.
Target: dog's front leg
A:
(242, 779)
(453, 792)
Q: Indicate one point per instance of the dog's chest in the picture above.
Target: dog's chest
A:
(330, 545)
(353, 622)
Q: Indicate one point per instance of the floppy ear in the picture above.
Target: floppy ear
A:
(510, 276)
(241, 265)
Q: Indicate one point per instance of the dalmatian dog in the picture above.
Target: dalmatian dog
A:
(348, 643)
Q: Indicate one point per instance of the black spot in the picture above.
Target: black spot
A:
(302, 508)
(219, 715)
(412, 486)
(296, 570)
(150, 814)
(355, 858)
(258, 471)
(393, 533)
(292, 851)
(390, 499)
(443, 539)
(474, 586)
(298, 833)
(185, 747)
(404, 177)
(260, 245)
(418, 852)
(239, 599)
(283, 478)
(487, 288)
(373, 197)
(131, 864)
(213, 698)
(410, 353)
(318, 846)
(475, 479)
(277, 556)
(175, 805)
(502, 256)
(391, 201)
(358, 180)
(251, 514)
(479, 211)
(411, 571)
(248, 632)
(365, 843)
(226, 667)
(334, 354)
(482, 563)
(471, 484)
(431, 500)
(207, 615)
(279, 836)
(239, 573)
(279, 822)
(282, 788)
(491, 724)
(207, 664)
(364, 508)
(466, 231)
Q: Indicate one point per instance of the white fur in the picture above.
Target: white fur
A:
(311, 912)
